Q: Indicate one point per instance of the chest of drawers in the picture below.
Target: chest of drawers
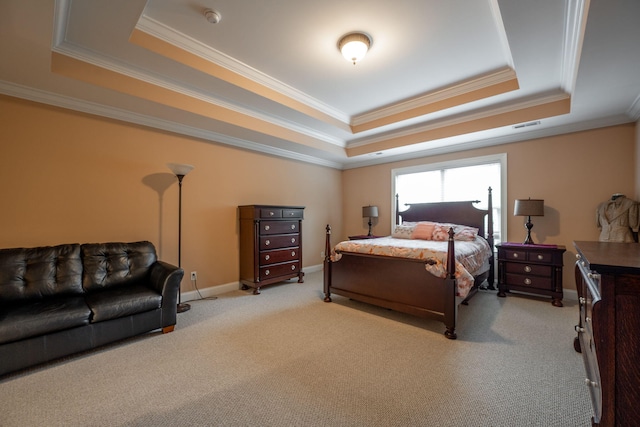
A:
(270, 245)
(535, 269)
(608, 284)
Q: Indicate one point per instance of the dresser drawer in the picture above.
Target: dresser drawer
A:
(270, 213)
(279, 227)
(278, 256)
(529, 269)
(279, 241)
(536, 282)
(292, 213)
(287, 268)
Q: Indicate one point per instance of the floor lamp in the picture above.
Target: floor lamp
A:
(180, 170)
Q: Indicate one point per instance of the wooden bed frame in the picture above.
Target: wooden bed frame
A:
(403, 284)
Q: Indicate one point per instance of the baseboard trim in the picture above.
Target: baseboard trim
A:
(213, 291)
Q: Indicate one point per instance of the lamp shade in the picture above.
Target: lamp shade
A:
(179, 168)
(370, 212)
(529, 207)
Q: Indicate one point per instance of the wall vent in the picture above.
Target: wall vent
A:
(524, 125)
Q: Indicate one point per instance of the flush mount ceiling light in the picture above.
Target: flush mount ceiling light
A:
(354, 46)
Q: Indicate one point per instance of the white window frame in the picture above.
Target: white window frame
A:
(471, 161)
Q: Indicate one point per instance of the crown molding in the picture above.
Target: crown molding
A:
(576, 12)
(191, 45)
(475, 142)
(56, 100)
(500, 76)
(634, 109)
(463, 118)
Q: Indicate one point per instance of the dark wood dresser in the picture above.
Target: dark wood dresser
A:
(608, 285)
(270, 245)
(535, 269)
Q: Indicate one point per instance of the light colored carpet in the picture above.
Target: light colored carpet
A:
(286, 358)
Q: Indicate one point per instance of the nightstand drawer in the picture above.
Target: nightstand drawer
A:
(536, 282)
(528, 269)
(545, 257)
(515, 255)
(524, 255)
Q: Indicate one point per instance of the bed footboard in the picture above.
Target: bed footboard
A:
(396, 283)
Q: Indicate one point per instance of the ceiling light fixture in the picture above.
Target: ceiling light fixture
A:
(212, 16)
(354, 46)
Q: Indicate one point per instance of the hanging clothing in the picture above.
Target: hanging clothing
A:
(617, 218)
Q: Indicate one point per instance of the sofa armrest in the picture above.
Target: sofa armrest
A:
(166, 278)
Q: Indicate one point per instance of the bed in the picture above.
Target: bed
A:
(406, 284)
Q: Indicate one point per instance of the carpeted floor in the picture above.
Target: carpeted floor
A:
(286, 358)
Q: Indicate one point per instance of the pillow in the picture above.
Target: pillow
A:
(423, 230)
(427, 230)
(403, 231)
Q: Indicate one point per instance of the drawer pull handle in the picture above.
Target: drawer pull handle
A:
(515, 255)
(582, 300)
(540, 257)
(293, 226)
(267, 272)
(292, 213)
(527, 281)
(271, 213)
(579, 329)
(266, 257)
(293, 253)
(267, 242)
(587, 320)
(293, 267)
(266, 228)
(527, 269)
(293, 240)
(590, 383)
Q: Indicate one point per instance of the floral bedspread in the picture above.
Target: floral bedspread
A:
(471, 256)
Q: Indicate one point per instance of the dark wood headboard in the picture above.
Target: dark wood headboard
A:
(463, 213)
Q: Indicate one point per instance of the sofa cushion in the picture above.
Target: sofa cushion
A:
(108, 265)
(122, 301)
(36, 273)
(33, 318)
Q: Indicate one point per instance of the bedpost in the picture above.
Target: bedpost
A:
(491, 277)
(327, 265)
(450, 312)
(397, 211)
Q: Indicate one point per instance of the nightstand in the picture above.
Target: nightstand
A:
(362, 236)
(535, 269)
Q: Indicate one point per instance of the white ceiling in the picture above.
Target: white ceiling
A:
(440, 76)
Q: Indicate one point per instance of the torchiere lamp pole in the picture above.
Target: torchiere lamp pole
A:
(180, 170)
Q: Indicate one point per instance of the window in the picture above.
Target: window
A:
(467, 179)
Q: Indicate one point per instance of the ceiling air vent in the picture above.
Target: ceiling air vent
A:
(525, 125)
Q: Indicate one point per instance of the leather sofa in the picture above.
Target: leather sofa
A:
(60, 300)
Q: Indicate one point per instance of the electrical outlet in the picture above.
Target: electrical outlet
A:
(321, 254)
(194, 275)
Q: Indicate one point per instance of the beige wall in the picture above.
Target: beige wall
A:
(573, 173)
(68, 177)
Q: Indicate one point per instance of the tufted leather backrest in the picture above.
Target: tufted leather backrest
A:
(116, 264)
(35, 273)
